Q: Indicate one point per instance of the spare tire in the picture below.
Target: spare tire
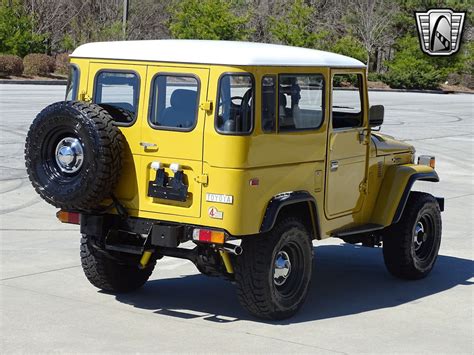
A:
(73, 155)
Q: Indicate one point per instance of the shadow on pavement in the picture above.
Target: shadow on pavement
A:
(346, 280)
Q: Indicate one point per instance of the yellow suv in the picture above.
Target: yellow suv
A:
(250, 151)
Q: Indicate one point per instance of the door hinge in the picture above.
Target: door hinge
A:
(84, 97)
(206, 106)
(202, 179)
(363, 187)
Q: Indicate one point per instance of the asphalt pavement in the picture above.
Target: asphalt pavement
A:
(354, 305)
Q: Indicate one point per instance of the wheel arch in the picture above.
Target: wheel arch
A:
(284, 203)
(395, 190)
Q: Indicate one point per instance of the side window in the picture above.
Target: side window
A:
(300, 101)
(72, 83)
(235, 104)
(118, 92)
(174, 102)
(347, 101)
(269, 103)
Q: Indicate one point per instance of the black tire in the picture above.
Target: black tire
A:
(79, 184)
(410, 247)
(108, 274)
(259, 290)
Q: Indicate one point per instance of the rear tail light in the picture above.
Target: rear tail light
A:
(68, 217)
(208, 236)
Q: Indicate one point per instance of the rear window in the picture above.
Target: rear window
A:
(118, 92)
(235, 104)
(72, 83)
(174, 102)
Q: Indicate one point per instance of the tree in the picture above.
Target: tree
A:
(296, 28)
(371, 21)
(208, 19)
(17, 35)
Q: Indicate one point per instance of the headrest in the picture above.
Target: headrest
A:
(181, 97)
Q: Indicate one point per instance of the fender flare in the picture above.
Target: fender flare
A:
(281, 200)
(431, 176)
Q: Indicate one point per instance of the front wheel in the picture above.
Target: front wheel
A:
(410, 247)
(274, 272)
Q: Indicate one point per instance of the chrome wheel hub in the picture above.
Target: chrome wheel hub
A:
(69, 155)
(282, 268)
(419, 236)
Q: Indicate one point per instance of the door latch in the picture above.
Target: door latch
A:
(206, 106)
(202, 179)
(334, 165)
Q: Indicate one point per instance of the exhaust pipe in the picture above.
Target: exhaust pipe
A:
(231, 248)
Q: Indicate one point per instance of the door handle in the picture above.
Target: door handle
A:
(334, 165)
(149, 146)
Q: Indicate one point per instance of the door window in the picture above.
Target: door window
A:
(269, 103)
(300, 101)
(118, 93)
(347, 101)
(174, 104)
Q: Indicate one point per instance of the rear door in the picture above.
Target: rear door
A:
(171, 142)
(119, 88)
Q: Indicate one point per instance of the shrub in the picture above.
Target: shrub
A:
(412, 69)
(62, 63)
(11, 65)
(38, 64)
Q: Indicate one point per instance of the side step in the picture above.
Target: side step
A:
(370, 227)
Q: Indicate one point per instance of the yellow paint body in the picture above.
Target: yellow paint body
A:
(224, 164)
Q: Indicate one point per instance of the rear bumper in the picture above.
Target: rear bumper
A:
(162, 234)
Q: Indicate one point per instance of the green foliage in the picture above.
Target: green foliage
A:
(10, 65)
(17, 31)
(208, 19)
(351, 47)
(39, 64)
(295, 28)
(411, 68)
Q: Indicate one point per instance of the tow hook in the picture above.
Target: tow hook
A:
(145, 258)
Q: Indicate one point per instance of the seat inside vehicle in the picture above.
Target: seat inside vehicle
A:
(182, 111)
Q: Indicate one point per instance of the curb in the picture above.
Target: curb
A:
(33, 82)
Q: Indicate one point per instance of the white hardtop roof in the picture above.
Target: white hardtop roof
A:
(214, 52)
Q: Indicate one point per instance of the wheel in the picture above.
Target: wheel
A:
(108, 274)
(73, 155)
(410, 247)
(274, 271)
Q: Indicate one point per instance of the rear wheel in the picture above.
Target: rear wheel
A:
(410, 247)
(274, 272)
(109, 274)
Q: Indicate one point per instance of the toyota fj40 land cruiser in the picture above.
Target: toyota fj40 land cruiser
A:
(248, 150)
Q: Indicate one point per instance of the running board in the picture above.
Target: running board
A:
(370, 227)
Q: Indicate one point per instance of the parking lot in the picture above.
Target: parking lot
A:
(354, 305)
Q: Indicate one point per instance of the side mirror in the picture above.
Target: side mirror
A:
(376, 115)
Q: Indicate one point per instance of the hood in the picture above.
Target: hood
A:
(386, 145)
